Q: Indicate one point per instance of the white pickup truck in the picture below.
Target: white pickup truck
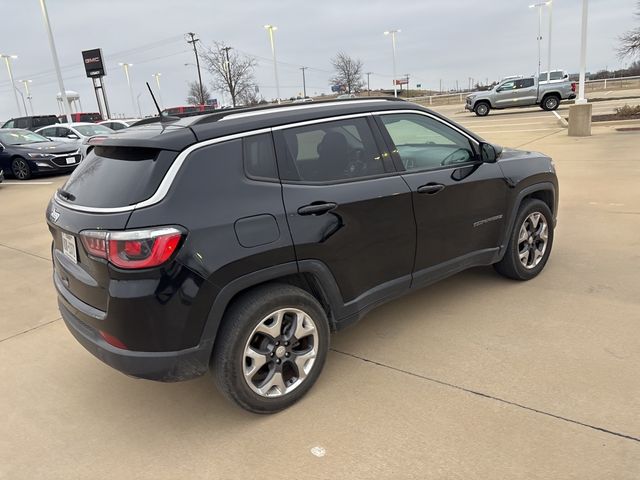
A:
(521, 92)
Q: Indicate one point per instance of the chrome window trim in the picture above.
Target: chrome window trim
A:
(427, 114)
(169, 177)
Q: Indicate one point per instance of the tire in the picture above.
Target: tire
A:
(550, 102)
(482, 109)
(528, 249)
(20, 168)
(259, 340)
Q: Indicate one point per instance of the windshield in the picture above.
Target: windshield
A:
(21, 137)
(90, 130)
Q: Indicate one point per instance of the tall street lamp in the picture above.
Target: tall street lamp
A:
(7, 60)
(539, 6)
(157, 77)
(271, 29)
(29, 97)
(56, 63)
(393, 45)
(550, 4)
(125, 67)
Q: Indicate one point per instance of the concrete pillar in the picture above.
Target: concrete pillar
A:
(580, 120)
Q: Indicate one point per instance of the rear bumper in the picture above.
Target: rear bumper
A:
(160, 366)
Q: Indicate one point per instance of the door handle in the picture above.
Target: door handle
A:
(430, 188)
(317, 208)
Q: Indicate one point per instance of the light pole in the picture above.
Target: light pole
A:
(393, 45)
(304, 83)
(56, 63)
(125, 67)
(271, 29)
(7, 60)
(29, 97)
(539, 7)
(550, 4)
(368, 84)
(157, 77)
(583, 53)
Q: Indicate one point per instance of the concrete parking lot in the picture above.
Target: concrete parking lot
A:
(474, 377)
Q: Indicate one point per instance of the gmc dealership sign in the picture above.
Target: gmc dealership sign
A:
(93, 65)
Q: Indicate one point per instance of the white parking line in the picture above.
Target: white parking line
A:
(506, 124)
(26, 183)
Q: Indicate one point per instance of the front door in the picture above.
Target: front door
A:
(459, 201)
(347, 207)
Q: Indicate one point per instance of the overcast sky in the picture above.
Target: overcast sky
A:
(448, 40)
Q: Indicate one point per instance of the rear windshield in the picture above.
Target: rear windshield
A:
(117, 176)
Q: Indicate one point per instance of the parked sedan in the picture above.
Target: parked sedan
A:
(24, 153)
(79, 133)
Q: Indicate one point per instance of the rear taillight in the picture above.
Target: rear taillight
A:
(573, 86)
(133, 249)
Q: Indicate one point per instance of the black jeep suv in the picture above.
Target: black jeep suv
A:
(238, 240)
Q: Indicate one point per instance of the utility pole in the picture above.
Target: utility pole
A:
(229, 79)
(304, 83)
(407, 77)
(440, 86)
(368, 84)
(195, 51)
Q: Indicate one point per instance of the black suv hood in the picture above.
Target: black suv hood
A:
(46, 147)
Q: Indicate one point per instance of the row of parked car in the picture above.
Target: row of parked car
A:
(41, 144)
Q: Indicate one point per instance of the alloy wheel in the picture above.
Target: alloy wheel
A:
(280, 352)
(533, 240)
(20, 169)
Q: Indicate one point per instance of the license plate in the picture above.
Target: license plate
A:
(70, 160)
(69, 247)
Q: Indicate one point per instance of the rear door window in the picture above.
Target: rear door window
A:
(332, 151)
(117, 176)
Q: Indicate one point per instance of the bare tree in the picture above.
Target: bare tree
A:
(348, 72)
(630, 41)
(232, 72)
(197, 97)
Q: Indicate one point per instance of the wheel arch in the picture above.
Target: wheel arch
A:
(312, 276)
(545, 191)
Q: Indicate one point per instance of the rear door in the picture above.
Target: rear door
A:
(459, 202)
(347, 207)
(525, 92)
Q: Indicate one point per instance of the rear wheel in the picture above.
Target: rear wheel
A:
(530, 242)
(482, 109)
(271, 348)
(20, 168)
(550, 102)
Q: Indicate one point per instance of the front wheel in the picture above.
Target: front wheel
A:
(20, 169)
(530, 242)
(482, 109)
(271, 348)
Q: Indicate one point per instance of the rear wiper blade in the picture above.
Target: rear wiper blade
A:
(66, 195)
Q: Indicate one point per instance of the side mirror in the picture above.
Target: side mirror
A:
(1, 148)
(498, 89)
(73, 136)
(488, 153)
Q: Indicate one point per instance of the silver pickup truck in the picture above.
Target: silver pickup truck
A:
(521, 92)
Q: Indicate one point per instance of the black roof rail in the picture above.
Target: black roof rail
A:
(208, 117)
